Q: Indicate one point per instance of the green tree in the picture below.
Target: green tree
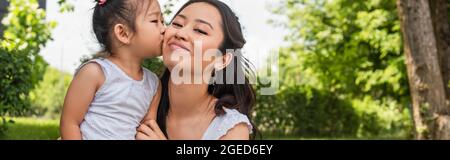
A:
(426, 33)
(349, 51)
(65, 6)
(168, 7)
(26, 32)
(48, 97)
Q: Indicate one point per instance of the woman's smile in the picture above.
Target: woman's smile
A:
(177, 45)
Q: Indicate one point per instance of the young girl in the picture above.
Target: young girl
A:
(109, 97)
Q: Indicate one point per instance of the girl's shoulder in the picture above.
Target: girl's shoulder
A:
(93, 68)
(153, 79)
(221, 125)
(98, 69)
(152, 76)
(94, 65)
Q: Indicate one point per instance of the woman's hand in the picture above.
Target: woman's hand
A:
(149, 130)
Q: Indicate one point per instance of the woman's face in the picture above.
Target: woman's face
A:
(199, 24)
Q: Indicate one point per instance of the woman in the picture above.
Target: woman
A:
(218, 108)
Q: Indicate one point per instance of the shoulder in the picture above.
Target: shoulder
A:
(236, 126)
(239, 132)
(91, 67)
(150, 74)
(153, 79)
(90, 71)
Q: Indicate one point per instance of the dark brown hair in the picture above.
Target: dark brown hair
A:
(107, 15)
(230, 94)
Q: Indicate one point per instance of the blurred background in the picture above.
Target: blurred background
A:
(344, 67)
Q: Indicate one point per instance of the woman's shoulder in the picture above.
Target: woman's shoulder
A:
(224, 124)
(233, 117)
(236, 124)
(233, 114)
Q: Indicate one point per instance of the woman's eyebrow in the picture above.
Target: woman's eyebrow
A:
(182, 16)
(204, 22)
(197, 20)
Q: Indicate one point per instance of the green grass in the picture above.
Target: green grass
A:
(278, 136)
(43, 129)
(32, 129)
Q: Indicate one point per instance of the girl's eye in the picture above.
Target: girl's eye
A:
(154, 21)
(200, 31)
(177, 25)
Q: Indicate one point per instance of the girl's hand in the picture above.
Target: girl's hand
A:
(150, 130)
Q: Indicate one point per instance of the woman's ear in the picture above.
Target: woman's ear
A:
(224, 61)
(122, 33)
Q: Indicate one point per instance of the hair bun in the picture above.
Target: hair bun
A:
(101, 2)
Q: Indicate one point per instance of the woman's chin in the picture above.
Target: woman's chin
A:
(169, 64)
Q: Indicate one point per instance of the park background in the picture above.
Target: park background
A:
(344, 69)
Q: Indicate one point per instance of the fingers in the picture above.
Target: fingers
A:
(146, 133)
(142, 136)
(146, 130)
(156, 130)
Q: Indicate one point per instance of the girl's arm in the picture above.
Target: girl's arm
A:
(153, 109)
(79, 95)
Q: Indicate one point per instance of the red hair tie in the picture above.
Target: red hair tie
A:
(101, 2)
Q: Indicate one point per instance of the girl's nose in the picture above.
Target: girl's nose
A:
(163, 29)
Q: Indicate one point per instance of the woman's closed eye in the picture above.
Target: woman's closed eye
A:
(177, 25)
(200, 31)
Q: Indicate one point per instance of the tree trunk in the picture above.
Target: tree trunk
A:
(428, 92)
(439, 14)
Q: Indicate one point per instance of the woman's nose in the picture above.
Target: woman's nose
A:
(181, 34)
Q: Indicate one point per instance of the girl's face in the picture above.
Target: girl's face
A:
(200, 23)
(148, 37)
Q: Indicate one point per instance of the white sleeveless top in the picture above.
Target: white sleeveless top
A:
(119, 105)
(222, 124)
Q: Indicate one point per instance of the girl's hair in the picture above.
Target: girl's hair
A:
(108, 14)
(230, 94)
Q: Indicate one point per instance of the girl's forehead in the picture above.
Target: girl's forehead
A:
(150, 7)
(154, 5)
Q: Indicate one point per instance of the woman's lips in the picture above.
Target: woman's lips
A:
(175, 46)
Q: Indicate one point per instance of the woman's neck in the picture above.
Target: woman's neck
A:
(189, 99)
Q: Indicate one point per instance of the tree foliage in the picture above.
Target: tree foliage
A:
(48, 97)
(26, 32)
(345, 67)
